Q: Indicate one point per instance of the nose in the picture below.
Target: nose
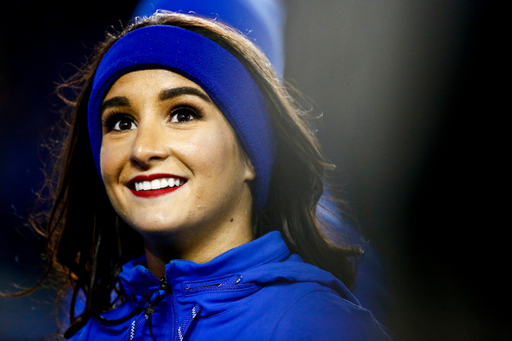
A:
(148, 146)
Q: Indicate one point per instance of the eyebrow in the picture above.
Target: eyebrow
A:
(119, 101)
(175, 92)
(122, 101)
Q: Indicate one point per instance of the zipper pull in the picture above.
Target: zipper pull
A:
(163, 283)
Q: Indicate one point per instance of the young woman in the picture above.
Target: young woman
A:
(187, 162)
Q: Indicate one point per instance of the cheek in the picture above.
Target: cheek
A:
(214, 160)
(212, 152)
(111, 161)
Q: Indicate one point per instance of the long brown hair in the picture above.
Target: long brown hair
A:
(87, 242)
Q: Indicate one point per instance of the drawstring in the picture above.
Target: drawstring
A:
(182, 330)
(145, 312)
(145, 316)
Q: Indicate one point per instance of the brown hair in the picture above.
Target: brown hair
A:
(87, 242)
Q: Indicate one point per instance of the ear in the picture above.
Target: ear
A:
(250, 174)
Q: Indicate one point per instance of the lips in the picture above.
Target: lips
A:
(148, 186)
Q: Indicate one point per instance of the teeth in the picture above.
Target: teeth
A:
(155, 184)
(147, 185)
(158, 184)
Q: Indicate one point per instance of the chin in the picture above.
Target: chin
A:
(152, 226)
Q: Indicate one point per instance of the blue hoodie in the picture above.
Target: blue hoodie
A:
(257, 291)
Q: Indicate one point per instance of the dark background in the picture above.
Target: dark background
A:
(413, 103)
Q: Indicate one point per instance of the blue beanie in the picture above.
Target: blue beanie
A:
(215, 70)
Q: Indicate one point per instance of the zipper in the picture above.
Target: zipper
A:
(173, 309)
(230, 283)
(167, 289)
(164, 285)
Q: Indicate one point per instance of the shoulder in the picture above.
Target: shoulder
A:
(82, 334)
(303, 302)
(98, 330)
(321, 314)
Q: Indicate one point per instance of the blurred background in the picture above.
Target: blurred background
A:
(411, 98)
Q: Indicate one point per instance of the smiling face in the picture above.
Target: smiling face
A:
(172, 166)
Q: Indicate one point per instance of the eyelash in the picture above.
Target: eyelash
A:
(112, 118)
(195, 113)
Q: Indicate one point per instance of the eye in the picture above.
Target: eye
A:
(124, 124)
(183, 114)
(119, 122)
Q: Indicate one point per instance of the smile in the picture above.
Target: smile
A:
(157, 184)
(154, 185)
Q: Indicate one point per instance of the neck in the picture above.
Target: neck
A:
(199, 246)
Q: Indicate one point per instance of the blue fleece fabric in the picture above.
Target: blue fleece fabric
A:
(258, 291)
(207, 64)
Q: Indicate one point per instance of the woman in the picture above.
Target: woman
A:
(187, 160)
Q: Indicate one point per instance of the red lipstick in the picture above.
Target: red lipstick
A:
(138, 181)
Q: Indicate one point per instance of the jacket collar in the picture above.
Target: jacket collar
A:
(138, 280)
(268, 248)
